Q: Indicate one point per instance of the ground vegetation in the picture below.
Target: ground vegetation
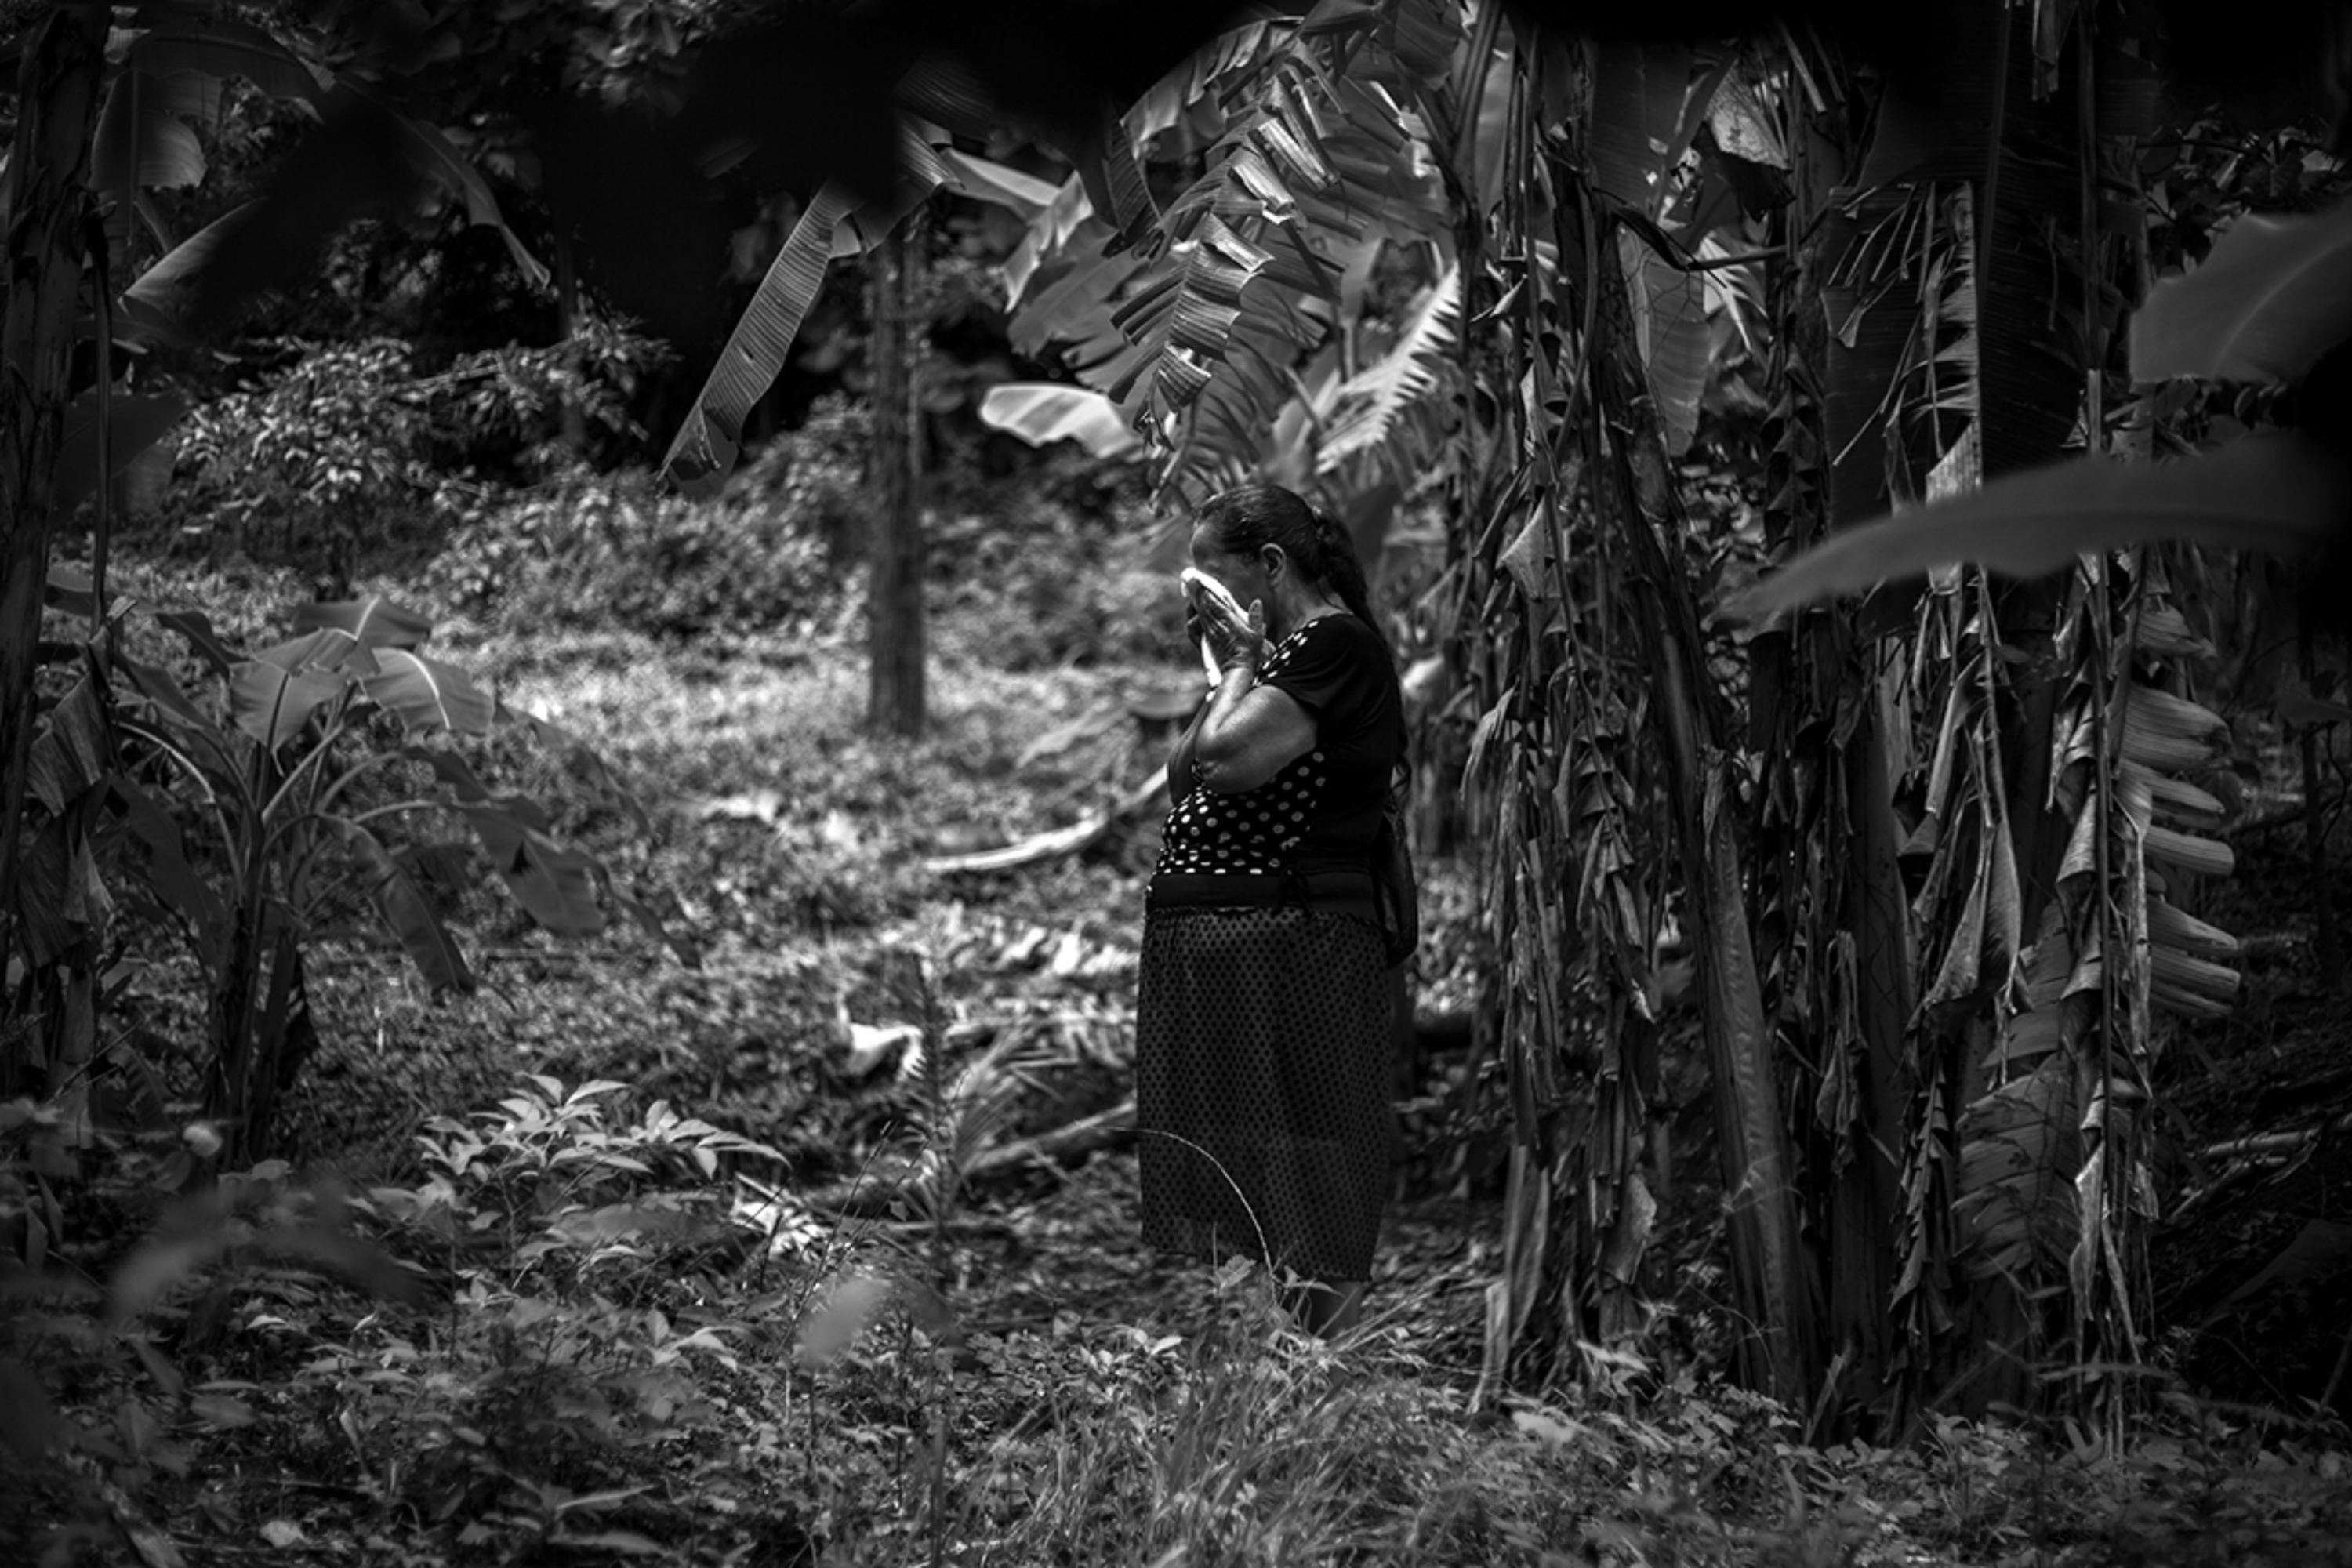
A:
(501, 1060)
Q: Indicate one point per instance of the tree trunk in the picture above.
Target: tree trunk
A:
(1639, 498)
(895, 621)
(567, 327)
(47, 182)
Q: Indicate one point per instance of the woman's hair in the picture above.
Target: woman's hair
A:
(1247, 518)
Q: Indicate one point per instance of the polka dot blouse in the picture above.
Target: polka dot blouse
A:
(1318, 813)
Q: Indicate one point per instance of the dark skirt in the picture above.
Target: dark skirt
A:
(1263, 1039)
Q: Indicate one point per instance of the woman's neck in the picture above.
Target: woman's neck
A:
(1290, 612)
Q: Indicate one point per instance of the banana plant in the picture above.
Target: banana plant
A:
(1209, 337)
(298, 778)
(171, 71)
(2046, 747)
(103, 118)
(932, 104)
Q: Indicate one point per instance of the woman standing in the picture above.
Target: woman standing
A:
(1263, 1016)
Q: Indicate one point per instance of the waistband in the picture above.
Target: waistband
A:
(1339, 892)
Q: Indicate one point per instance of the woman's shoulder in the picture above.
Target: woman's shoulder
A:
(1342, 628)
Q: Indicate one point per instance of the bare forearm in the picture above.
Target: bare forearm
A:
(1221, 747)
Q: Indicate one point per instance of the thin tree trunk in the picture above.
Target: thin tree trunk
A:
(895, 620)
(567, 327)
(47, 182)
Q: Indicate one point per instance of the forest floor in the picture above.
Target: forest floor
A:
(609, 1366)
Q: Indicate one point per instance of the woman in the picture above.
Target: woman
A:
(1263, 1016)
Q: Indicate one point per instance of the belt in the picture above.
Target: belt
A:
(1339, 892)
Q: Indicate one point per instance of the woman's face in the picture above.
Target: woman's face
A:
(1244, 576)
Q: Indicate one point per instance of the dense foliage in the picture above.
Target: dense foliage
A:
(496, 1062)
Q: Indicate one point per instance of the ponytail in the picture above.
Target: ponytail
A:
(1344, 571)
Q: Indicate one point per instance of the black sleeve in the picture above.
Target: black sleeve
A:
(1333, 672)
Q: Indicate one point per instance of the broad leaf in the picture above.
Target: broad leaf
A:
(272, 705)
(583, 758)
(1249, 270)
(1638, 91)
(1042, 413)
(408, 910)
(430, 154)
(327, 649)
(212, 46)
(176, 881)
(197, 627)
(70, 589)
(2304, 710)
(426, 694)
(374, 623)
(922, 170)
(1072, 303)
(2274, 494)
(554, 884)
(676, 938)
(1174, 100)
(133, 423)
(2274, 294)
(73, 751)
(704, 451)
(1670, 326)
(451, 770)
(141, 142)
(1051, 231)
(984, 179)
(2018, 1147)
(164, 694)
(153, 307)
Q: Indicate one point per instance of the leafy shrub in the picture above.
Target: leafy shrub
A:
(351, 448)
(596, 552)
(314, 777)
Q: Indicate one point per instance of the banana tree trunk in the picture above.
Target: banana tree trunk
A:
(895, 625)
(1637, 494)
(48, 187)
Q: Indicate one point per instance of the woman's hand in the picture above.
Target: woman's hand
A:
(1235, 638)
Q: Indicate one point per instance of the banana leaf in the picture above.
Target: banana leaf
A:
(431, 156)
(2276, 494)
(168, 873)
(409, 911)
(2274, 294)
(703, 452)
(272, 704)
(141, 140)
(134, 422)
(426, 694)
(217, 46)
(374, 623)
(1370, 404)
(1042, 413)
(554, 884)
(1670, 326)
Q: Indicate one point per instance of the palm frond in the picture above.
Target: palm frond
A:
(1371, 408)
(1247, 267)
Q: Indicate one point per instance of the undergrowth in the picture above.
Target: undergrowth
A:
(593, 1330)
(634, 1259)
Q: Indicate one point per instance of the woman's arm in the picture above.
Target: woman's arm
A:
(1249, 732)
